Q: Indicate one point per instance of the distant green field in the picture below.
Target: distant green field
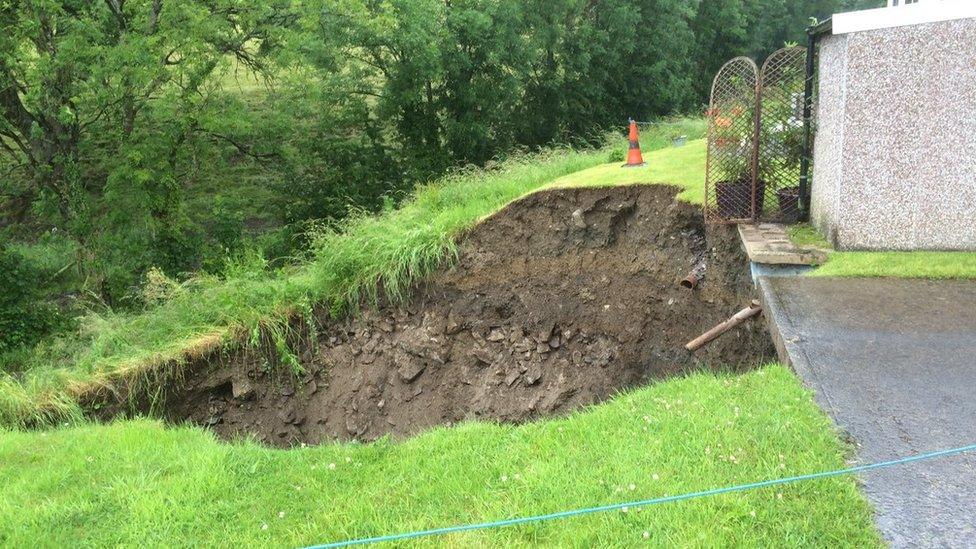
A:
(660, 134)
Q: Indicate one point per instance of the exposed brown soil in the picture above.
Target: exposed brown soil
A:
(558, 301)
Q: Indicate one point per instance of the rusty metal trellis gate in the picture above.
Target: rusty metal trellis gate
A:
(755, 139)
(780, 134)
(730, 168)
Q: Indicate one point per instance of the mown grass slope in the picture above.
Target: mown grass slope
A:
(682, 167)
(140, 483)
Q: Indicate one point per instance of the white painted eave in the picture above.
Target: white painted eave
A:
(930, 11)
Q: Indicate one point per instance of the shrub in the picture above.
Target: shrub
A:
(24, 316)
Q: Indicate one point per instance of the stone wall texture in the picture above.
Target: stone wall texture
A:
(895, 149)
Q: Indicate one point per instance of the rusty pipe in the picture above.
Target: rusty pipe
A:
(752, 310)
(696, 275)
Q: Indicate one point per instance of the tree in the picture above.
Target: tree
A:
(756, 28)
(100, 100)
(112, 112)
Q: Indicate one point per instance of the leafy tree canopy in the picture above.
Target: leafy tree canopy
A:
(161, 133)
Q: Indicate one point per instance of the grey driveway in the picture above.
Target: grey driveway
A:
(894, 363)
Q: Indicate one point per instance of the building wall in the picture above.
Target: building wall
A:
(895, 149)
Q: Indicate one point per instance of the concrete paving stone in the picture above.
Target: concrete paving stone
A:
(769, 243)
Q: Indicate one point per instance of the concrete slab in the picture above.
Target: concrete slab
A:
(894, 363)
(769, 243)
(759, 270)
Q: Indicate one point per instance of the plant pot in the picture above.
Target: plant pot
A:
(734, 198)
(789, 204)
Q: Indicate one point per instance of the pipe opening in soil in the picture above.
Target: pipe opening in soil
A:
(560, 300)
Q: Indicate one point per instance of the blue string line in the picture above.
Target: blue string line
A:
(643, 503)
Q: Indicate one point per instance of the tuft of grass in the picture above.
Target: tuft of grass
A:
(139, 483)
(918, 264)
(806, 235)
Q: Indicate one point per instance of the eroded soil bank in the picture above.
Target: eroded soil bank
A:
(558, 301)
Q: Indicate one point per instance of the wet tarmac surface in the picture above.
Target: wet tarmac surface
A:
(894, 364)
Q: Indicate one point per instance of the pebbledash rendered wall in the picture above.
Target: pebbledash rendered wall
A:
(895, 149)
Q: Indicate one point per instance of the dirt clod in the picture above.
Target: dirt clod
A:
(241, 388)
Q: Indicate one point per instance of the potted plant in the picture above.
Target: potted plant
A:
(791, 142)
(734, 192)
(781, 133)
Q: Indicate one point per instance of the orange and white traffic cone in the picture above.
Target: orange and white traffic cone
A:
(634, 158)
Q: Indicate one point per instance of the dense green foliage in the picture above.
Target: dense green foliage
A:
(138, 483)
(184, 134)
(24, 317)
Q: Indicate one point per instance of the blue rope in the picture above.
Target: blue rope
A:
(646, 502)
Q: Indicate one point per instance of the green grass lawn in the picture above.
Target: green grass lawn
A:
(914, 264)
(682, 167)
(140, 483)
(937, 265)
